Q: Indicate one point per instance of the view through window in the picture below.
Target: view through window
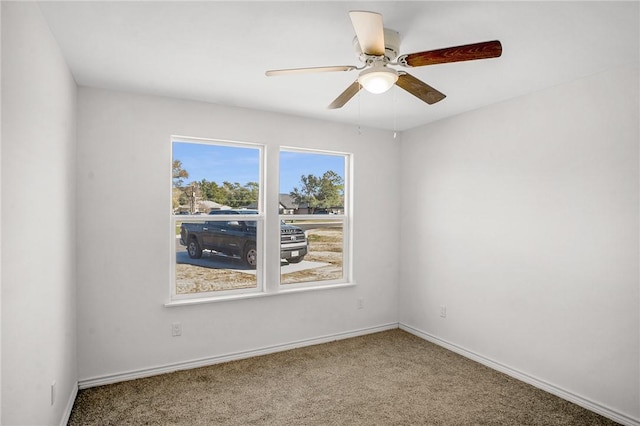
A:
(312, 199)
(217, 218)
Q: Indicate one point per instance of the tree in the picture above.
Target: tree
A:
(240, 196)
(179, 174)
(331, 191)
(213, 192)
(307, 192)
(320, 192)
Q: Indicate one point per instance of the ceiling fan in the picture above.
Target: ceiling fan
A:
(377, 48)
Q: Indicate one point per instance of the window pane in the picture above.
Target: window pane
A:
(324, 258)
(312, 199)
(210, 177)
(215, 253)
(311, 183)
(224, 263)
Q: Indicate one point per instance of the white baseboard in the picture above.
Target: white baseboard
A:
(541, 384)
(67, 410)
(203, 362)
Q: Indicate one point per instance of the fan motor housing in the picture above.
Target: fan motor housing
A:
(391, 46)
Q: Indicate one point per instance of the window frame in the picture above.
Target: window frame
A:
(345, 218)
(266, 283)
(259, 218)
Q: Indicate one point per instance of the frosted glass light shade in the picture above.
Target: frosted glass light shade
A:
(378, 79)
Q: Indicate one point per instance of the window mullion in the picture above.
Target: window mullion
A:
(272, 222)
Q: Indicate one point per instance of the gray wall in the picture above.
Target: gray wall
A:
(525, 215)
(38, 221)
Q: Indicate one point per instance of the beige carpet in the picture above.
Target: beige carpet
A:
(388, 378)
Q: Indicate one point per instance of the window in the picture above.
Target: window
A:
(218, 222)
(312, 199)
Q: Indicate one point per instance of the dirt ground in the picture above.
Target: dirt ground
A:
(325, 245)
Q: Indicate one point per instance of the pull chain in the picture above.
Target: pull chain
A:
(395, 113)
(359, 110)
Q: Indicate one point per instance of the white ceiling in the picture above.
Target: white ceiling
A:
(218, 51)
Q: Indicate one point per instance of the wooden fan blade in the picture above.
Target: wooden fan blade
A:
(419, 89)
(468, 52)
(369, 30)
(344, 97)
(310, 70)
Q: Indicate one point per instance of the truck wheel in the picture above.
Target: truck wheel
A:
(250, 256)
(295, 259)
(193, 249)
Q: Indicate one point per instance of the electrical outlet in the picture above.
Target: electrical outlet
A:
(361, 303)
(443, 311)
(53, 393)
(176, 329)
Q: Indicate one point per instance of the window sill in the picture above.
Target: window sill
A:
(225, 298)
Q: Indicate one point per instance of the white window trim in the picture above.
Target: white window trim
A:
(346, 219)
(174, 297)
(268, 275)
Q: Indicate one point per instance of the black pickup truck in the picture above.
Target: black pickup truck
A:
(238, 238)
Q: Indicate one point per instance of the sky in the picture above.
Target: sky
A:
(218, 163)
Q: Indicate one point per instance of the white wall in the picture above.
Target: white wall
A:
(38, 214)
(524, 216)
(123, 228)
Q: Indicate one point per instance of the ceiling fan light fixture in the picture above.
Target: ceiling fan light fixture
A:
(377, 48)
(378, 79)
